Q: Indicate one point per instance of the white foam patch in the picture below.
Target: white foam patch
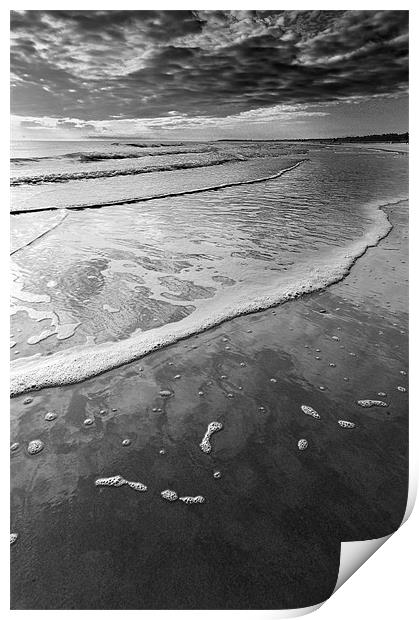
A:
(205, 444)
(35, 446)
(310, 411)
(170, 496)
(39, 337)
(67, 330)
(165, 393)
(302, 444)
(112, 481)
(188, 499)
(346, 424)
(372, 403)
(78, 363)
(119, 481)
(62, 330)
(137, 486)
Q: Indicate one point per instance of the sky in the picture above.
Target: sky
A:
(208, 75)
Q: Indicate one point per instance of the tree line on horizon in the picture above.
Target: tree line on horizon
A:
(382, 137)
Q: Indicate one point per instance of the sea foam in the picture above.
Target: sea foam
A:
(205, 444)
(188, 499)
(119, 481)
(81, 362)
(310, 411)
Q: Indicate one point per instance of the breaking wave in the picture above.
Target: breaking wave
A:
(81, 362)
(147, 151)
(63, 177)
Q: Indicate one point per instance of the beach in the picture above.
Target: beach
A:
(209, 337)
(269, 531)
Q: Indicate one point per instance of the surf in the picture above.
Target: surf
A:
(82, 362)
(155, 196)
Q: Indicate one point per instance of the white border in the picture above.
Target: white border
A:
(385, 587)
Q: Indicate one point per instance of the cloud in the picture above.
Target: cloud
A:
(72, 127)
(98, 65)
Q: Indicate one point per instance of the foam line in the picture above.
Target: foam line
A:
(63, 177)
(79, 363)
(127, 201)
(87, 157)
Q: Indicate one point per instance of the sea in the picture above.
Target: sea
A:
(121, 247)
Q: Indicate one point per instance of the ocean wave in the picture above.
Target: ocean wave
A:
(148, 150)
(81, 362)
(132, 200)
(24, 160)
(86, 157)
(64, 177)
(92, 157)
(148, 145)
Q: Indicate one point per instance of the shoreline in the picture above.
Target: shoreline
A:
(137, 346)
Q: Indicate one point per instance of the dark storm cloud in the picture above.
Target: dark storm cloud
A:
(101, 64)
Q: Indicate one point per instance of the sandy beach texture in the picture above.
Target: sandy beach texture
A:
(268, 533)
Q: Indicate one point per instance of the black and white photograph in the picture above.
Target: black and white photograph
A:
(208, 303)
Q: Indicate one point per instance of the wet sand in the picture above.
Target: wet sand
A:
(268, 534)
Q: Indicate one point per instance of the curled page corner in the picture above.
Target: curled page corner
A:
(354, 554)
(413, 490)
(290, 613)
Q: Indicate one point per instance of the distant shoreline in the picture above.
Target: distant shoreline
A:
(390, 138)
